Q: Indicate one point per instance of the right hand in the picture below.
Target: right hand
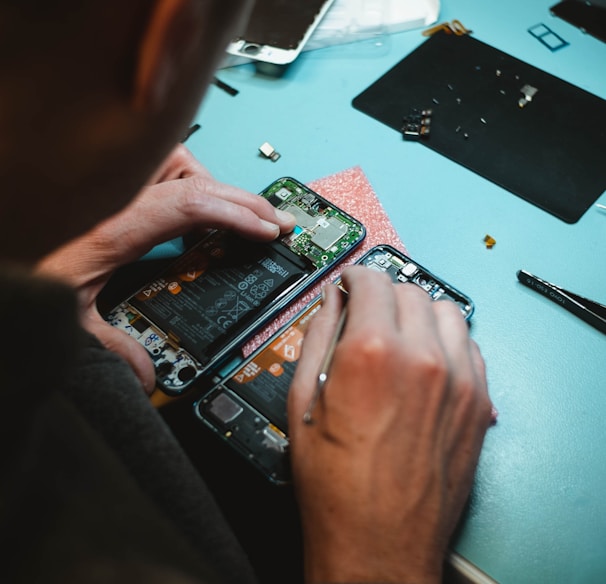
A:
(383, 473)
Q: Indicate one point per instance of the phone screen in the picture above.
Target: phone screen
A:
(281, 23)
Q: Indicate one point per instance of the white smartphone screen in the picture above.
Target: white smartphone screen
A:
(278, 29)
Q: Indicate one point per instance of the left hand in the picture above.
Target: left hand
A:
(181, 196)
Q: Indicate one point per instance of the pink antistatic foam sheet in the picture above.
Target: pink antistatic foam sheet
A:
(350, 191)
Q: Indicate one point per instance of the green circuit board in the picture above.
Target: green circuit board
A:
(322, 232)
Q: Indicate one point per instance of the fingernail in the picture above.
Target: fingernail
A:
(323, 294)
(285, 216)
(146, 387)
(275, 229)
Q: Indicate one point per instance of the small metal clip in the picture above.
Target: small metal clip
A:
(269, 151)
(528, 92)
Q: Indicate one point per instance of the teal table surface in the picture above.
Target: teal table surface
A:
(538, 508)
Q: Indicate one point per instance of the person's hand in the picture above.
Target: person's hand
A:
(181, 196)
(384, 470)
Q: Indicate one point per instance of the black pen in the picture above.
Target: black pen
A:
(591, 312)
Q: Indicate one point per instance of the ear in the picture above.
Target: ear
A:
(169, 37)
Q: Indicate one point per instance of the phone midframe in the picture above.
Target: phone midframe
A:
(248, 406)
(201, 309)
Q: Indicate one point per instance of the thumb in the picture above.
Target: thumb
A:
(128, 348)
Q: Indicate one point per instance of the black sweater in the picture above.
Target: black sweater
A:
(94, 487)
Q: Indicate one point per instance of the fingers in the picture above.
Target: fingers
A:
(403, 324)
(215, 204)
(371, 300)
(417, 320)
(181, 196)
(181, 164)
(198, 182)
(128, 348)
(170, 209)
(463, 356)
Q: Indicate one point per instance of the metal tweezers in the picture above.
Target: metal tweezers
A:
(591, 312)
(324, 369)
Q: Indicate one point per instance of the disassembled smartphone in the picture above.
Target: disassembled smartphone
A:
(196, 313)
(277, 30)
(248, 407)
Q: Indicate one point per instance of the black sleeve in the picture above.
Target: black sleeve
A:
(93, 486)
(105, 391)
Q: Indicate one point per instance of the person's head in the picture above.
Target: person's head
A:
(93, 95)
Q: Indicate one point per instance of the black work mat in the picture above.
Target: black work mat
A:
(588, 16)
(551, 152)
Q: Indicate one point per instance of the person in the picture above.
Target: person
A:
(94, 486)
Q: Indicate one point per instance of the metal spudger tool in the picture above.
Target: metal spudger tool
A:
(324, 369)
(591, 312)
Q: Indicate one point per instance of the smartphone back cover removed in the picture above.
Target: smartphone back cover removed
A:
(549, 151)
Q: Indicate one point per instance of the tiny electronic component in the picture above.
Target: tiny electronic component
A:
(489, 241)
(528, 92)
(269, 151)
(417, 124)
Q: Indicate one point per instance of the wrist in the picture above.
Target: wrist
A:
(369, 564)
(371, 582)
